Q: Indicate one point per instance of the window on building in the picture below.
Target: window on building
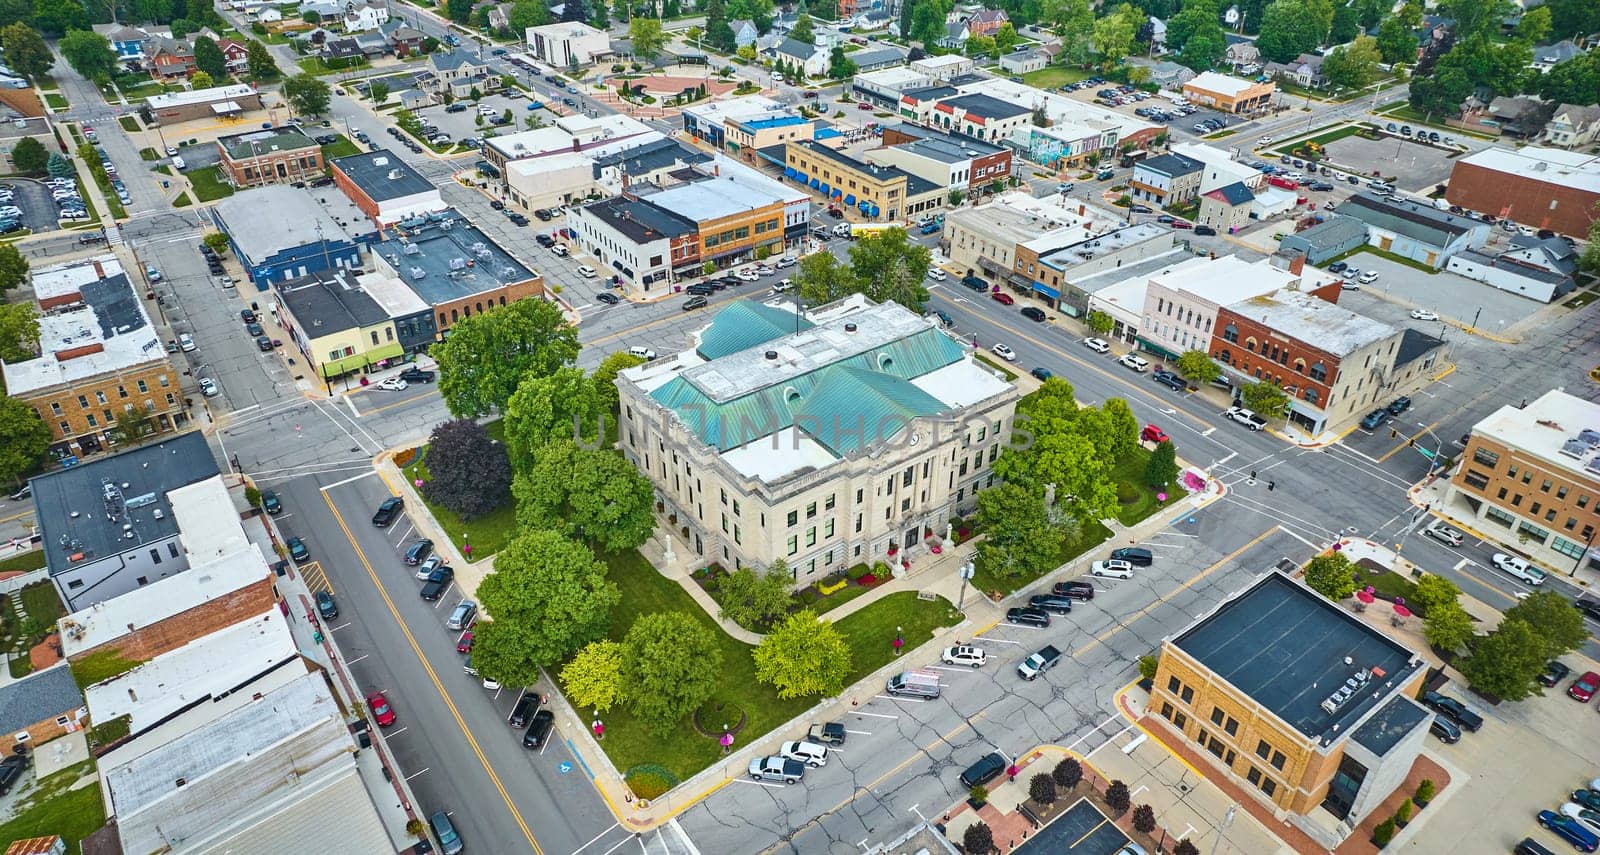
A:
(811, 510)
(1217, 715)
(1173, 685)
(794, 544)
(794, 518)
(1187, 696)
(827, 527)
(1263, 750)
(1278, 760)
(1490, 459)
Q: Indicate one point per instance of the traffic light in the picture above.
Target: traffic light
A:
(1393, 433)
(1411, 443)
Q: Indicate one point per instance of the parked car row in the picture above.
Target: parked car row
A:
(1577, 821)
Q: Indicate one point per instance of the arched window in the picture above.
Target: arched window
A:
(453, 316)
(1225, 356)
(1319, 372)
(1299, 366)
(1230, 333)
(1311, 395)
(1250, 345)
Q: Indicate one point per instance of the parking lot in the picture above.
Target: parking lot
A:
(1415, 167)
(1455, 299)
(1082, 830)
(463, 123)
(38, 209)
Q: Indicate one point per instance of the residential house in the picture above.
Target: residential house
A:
(986, 22)
(1023, 61)
(955, 36)
(879, 55)
(459, 72)
(327, 10)
(268, 15)
(1520, 116)
(341, 51)
(129, 44)
(1242, 55)
(234, 55)
(1305, 70)
(499, 17)
(1166, 179)
(1546, 57)
(1227, 207)
(404, 40)
(744, 33)
(359, 18)
(811, 60)
(170, 59)
(1572, 126)
(1170, 75)
(1158, 35)
(40, 707)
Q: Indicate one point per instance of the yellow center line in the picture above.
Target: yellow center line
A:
(433, 677)
(1099, 825)
(16, 516)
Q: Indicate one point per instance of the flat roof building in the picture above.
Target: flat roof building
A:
(1413, 230)
(1544, 188)
(385, 187)
(1530, 479)
(952, 161)
(101, 359)
(1229, 94)
(301, 236)
(802, 430)
(637, 240)
(880, 193)
(217, 102)
(455, 268)
(1294, 701)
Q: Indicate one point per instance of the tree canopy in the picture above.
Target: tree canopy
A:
(469, 473)
(1506, 662)
(595, 494)
(545, 409)
(1020, 538)
(671, 664)
(548, 597)
(593, 679)
(486, 356)
(29, 156)
(1330, 575)
(647, 37)
(308, 95)
(208, 57)
(23, 438)
(26, 51)
(89, 54)
(804, 656)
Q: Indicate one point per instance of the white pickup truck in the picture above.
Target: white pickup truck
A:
(1246, 417)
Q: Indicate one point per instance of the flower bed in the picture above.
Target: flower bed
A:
(825, 588)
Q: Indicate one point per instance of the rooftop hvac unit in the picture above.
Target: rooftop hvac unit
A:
(482, 252)
(380, 161)
(394, 175)
(479, 245)
(418, 273)
(411, 249)
(458, 264)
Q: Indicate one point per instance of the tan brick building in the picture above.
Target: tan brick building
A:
(1297, 702)
(1531, 475)
(272, 156)
(102, 358)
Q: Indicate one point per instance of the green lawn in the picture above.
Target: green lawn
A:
(1139, 501)
(47, 83)
(56, 102)
(26, 561)
(1406, 112)
(208, 184)
(1053, 77)
(1397, 259)
(183, 201)
(315, 66)
(486, 534)
(129, 124)
(73, 814)
(149, 154)
(985, 582)
(39, 600)
(342, 147)
(1010, 375)
(643, 757)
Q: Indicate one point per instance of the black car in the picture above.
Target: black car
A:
(1042, 373)
(1588, 607)
(526, 705)
(418, 550)
(1321, 186)
(11, 769)
(497, 204)
(608, 298)
(1204, 230)
(1028, 615)
(1033, 313)
(456, 108)
(975, 283)
(326, 139)
(1141, 209)
(1453, 708)
(1337, 267)
(416, 375)
(539, 729)
(542, 214)
(544, 240)
(263, 343)
(298, 550)
(1051, 603)
(1400, 405)
(1076, 589)
(1554, 672)
(701, 288)
(1445, 729)
(984, 771)
(387, 511)
(518, 219)
(326, 606)
(270, 503)
(254, 329)
(693, 303)
(438, 580)
(247, 316)
(1169, 380)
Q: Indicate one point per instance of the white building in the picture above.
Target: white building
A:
(568, 134)
(634, 238)
(1220, 168)
(854, 440)
(1181, 303)
(361, 17)
(943, 67)
(568, 44)
(543, 182)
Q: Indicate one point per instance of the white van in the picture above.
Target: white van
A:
(919, 684)
(177, 162)
(487, 112)
(644, 353)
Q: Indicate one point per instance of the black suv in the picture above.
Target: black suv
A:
(525, 707)
(270, 503)
(1400, 405)
(1028, 615)
(1169, 380)
(1453, 708)
(539, 729)
(416, 375)
(326, 606)
(418, 550)
(984, 771)
(387, 511)
(1076, 589)
(1051, 603)
(975, 283)
(438, 580)
(1588, 607)
(11, 769)
(1033, 313)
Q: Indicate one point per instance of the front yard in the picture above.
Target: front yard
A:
(53, 809)
(1054, 77)
(342, 147)
(208, 184)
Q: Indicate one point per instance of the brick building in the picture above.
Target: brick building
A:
(457, 270)
(270, 156)
(40, 707)
(880, 193)
(1544, 188)
(1301, 705)
(1229, 94)
(218, 102)
(102, 360)
(1531, 476)
(385, 187)
(954, 161)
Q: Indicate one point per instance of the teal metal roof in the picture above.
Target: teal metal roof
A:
(745, 324)
(869, 390)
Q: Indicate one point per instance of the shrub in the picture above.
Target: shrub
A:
(1402, 814)
(1042, 789)
(1184, 847)
(857, 571)
(1425, 791)
(978, 839)
(1067, 773)
(1118, 798)
(252, 496)
(1144, 819)
(978, 794)
(1383, 833)
(1147, 667)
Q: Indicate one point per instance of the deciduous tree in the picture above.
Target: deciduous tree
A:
(840, 65)
(458, 10)
(1576, 81)
(1329, 574)
(822, 278)
(29, 156)
(527, 13)
(978, 839)
(217, 241)
(200, 80)
(874, 256)
(1198, 367)
(1346, 24)
(19, 332)
(671, 664)
(1042, 789)
(469, 473)
(1021, 540)
(208, 57)
(648, 40)
(23, 438)
(1005, 38)
(1163, 466)
(1113, 34)
(379, 92)
(487, 355)
(1144, 819)
(1123, 436)
(1396, 42)
(804, 656)
(259, 62)
(548, 596)
(89, 54)
(1353, 65)
(1100, 322)
(593, 679)
(595, 494)
(1118, 799)
(26, 51)
(1506, 662)
(308, 96)
(1554, 619)
(1268, 400)
(753, 599)
(1067, 773)
(1288, 29)
(1433, 592)
(605, 380)
(802, 30)
(1447, 626)
(561, 406)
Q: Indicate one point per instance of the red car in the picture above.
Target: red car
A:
(1151, 433)
(1002, 298)
(1584, 687)
(464, 643)
(381, 711)
(863, 106)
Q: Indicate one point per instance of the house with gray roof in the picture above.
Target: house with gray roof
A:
(955, 35)
(40, 707)
(1024, 60)
(460, 71)
(1419, 232)
(744, 33)
(812, 60)
(878, 55)
(1572, 125)
(1170, 75)
(1328, 239)
(1537, 268)
(1546, 57)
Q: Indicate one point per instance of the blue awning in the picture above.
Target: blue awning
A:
(788, 172)
(825, 188)
(1047, 290)
(874, 211)
(837, 192)
(815, 183)
(850, 200)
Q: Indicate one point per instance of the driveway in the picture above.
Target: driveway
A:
(1455, 298)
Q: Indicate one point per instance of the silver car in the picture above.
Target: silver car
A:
(1444, 534)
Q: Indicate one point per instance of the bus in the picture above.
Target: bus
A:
(858, 230)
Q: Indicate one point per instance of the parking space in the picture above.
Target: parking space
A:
(1414, 167)
(1081, 830)
(461, 119)
(38, 208)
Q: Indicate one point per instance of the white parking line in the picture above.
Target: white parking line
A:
(908, 700)
(951, 670)
(998, 640)
(757, 783)
(873, 714)
(393, 733)
(416, 773)
(355, 660)
(858, 732)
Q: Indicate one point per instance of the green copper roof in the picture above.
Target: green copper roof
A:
(855, 407)
(745, 324)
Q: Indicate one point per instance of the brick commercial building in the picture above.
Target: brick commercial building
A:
(214, 103)
(953, 161)
(879, 193)
(102, 360)
(271, 156)
(1543, 188)
(1300, 704)
(457, 270)
(1531, 474)
(1229, 94)
(385, 187)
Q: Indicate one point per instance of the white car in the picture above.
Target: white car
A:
(586, 271)
(936, 274)
(1264, 141)
(1248, 418)
(964, 654)
(1444, 534)
(171, 151)
(428, 565)
(1004, 352)
(393, 384)
(1518, 568)
(764, 270)
(208, 387)
(186, 342)
(1112, 569)
(1368, 278)
(746, 276)
(1423, 315)
(786, 261)
(1350, 272)
(1098, 345)
(809, 753)
(1134, 361)
(1293, 176)
(1589, 819)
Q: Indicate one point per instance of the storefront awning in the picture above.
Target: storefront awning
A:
(1047, 290)
(850, 200)
(341, 367)
(226, 107)
(390, 350)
